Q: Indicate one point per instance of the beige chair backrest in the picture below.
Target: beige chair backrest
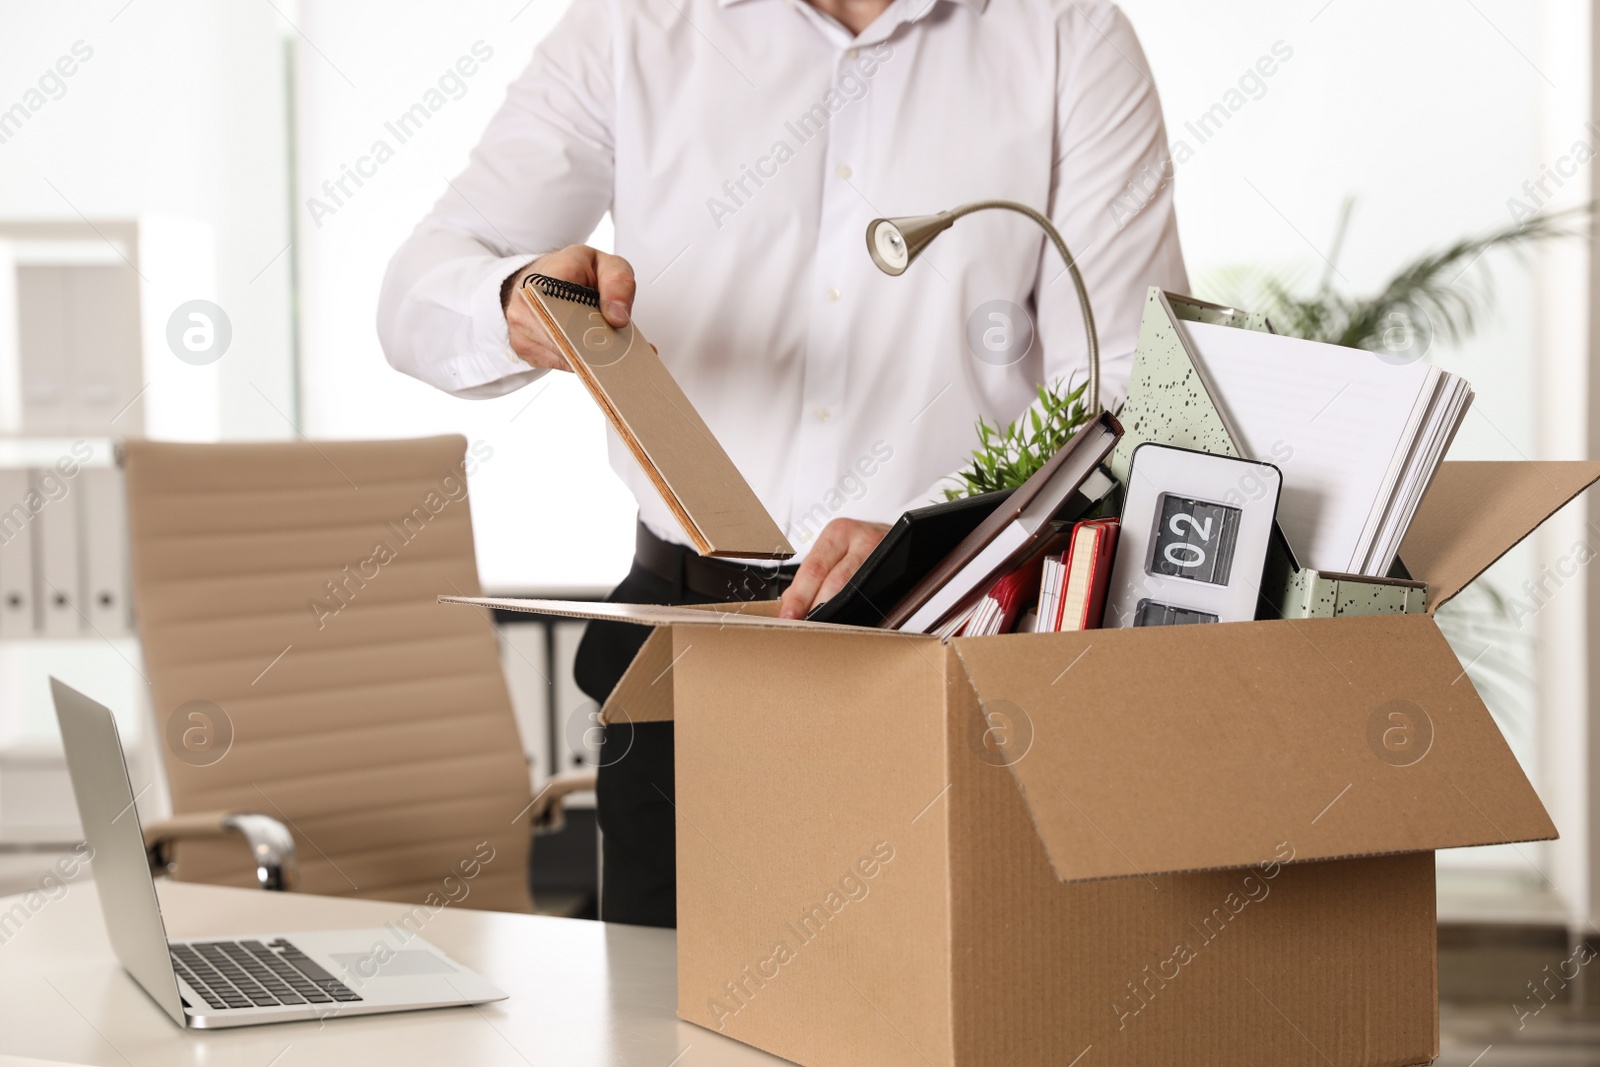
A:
(299, 665)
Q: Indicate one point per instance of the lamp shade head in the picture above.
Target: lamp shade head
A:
(894, 243)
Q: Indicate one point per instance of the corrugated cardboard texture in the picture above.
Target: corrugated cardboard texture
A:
(757, 614)
(378, 725)
(1305, 964)
(802, 756)
(1186, 748)
(1474, 513)
(644, 693)
(1064, 900)
(709, 497)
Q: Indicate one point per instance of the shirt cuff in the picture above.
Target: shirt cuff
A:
(491, 367)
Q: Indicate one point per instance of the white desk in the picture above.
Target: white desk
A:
(583, 994)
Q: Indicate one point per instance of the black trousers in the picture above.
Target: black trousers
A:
(634, 794)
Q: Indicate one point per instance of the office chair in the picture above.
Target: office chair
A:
(303, 673)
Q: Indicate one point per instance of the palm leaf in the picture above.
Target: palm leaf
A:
(1430, 287)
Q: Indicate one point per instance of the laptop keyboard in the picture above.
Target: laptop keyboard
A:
(250, 974)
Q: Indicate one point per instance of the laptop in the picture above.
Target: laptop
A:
(249, 979)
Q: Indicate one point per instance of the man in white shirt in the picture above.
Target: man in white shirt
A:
(741, 147)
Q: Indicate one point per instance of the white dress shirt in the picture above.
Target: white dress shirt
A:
(742, 147)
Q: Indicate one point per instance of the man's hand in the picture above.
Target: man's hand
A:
(612, 275)
(841, 548)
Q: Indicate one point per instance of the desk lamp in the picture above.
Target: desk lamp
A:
(894, 243)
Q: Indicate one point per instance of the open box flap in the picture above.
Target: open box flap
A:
(644, 692)
(1158, 750)
(1476, 512)
(755, 613)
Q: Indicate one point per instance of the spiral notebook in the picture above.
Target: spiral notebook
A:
(713, 503)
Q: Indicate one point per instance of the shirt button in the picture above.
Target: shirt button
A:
(850, 53)
(833, 294)
(844, 171)
(823, 414)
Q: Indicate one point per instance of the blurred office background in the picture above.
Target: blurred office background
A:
(185, 158)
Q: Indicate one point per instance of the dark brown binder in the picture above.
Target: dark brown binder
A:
(1087, 449)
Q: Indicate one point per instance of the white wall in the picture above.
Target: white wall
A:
(180, 112)
(1563, 392)
(177, 116)
(1432, 115)
(547, 510)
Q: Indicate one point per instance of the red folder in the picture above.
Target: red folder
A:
(1003, 604)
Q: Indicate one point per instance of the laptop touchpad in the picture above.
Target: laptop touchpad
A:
(399, 964)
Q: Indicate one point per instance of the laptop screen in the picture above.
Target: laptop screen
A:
(111, 827)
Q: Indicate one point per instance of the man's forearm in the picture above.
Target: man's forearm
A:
(440, 318)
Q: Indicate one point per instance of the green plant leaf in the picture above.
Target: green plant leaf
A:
(1434, 286)
(1009, 455)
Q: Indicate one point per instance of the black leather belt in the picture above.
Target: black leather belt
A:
(706, 576)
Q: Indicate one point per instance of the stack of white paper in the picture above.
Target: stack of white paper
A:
(1052, 579)
(1358, 438)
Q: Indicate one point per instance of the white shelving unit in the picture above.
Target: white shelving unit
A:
(84, 360)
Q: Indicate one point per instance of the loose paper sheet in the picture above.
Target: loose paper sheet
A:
(1335, 421)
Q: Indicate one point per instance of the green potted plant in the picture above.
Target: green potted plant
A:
(1428, 295)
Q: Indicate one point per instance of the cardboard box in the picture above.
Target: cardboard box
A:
(1196, 845)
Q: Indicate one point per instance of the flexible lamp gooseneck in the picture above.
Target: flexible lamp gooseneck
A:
(894, 243)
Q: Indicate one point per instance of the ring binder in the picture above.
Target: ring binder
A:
(578, 294)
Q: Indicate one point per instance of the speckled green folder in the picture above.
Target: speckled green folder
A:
(1170, 403)
(1312, 594)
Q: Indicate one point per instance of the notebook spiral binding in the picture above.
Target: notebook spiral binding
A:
(578, 294)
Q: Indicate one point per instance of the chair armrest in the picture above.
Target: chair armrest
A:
(272, 846)
(546, 809)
